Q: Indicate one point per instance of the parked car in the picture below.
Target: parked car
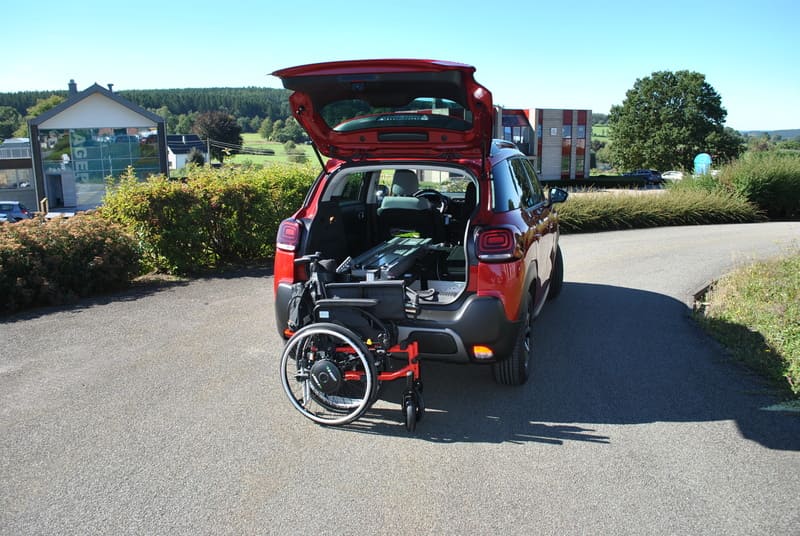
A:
(149, 139)
(416, 194)
(650, 175)
(672, 175)
(126, 138)
(13, 211)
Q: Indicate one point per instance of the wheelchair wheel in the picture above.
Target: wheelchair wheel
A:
(328, 374)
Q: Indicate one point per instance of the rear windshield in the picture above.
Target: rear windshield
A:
(422, 112)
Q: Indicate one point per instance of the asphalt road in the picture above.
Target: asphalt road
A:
(159, 411)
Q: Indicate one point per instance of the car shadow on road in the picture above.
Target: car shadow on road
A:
(603, 355)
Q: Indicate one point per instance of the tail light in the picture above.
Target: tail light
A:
(288, 235)
(496, 245)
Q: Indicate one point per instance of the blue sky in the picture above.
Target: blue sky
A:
(555, 54)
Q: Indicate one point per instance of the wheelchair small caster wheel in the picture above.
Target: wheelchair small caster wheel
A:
(420, 405)
(413, 408)
(410, 413)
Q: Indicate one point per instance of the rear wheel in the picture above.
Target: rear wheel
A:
(328, 374)
(515, 369)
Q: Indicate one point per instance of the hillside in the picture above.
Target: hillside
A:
(789, 134)
(241, 102)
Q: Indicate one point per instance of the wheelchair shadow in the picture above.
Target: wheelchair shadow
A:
(603, 356)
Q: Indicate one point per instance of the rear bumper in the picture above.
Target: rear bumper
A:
(444, 333)
(450, 335)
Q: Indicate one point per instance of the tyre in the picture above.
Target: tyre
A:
(410, 412)
(515, 369)
(557, 279)
(328, 374)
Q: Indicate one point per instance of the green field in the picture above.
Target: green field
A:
(256, 142)
(600, 133)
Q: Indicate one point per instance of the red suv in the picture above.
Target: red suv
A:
(416, 193)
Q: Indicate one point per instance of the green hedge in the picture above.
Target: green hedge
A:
(213, 217)
(52, 262)
(592, 212)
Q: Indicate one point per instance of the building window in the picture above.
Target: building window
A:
(581, 132)
(16, 179)
(566, 157)
(580, 158)
(97, 153)
(566, 131)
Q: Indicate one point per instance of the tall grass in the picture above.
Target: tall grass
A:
(770, 180)
(635, 210)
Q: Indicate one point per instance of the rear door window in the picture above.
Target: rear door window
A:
(526, 176)
(515, 185)
(506, 192)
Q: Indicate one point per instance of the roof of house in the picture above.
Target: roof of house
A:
(94, 89)
(184, 143)
(16, 141)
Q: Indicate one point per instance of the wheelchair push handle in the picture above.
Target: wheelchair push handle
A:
(308, 259)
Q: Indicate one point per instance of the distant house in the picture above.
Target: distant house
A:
(180, 145)
(93, 135)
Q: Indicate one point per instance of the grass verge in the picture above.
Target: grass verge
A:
(755, 313)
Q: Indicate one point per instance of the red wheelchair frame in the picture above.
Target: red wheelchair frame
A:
(331, 370)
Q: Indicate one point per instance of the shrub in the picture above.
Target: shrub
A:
(52, 262)
(770, 179)
(636, 210)
(211, 218)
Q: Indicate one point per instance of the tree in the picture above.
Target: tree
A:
(41, 106)
(10, 121)
(222, 128)
(668, 118)
(195, 157)
(254, 124)
(290, 131)
(726, 145)
(265, 130)
(294, 154)
(184, 123)
(277, 125)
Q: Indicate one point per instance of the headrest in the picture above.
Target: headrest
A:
(405, 183)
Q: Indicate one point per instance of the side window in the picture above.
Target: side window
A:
(506, 192)
(515, 185)
(537, 192)
(523, 183)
